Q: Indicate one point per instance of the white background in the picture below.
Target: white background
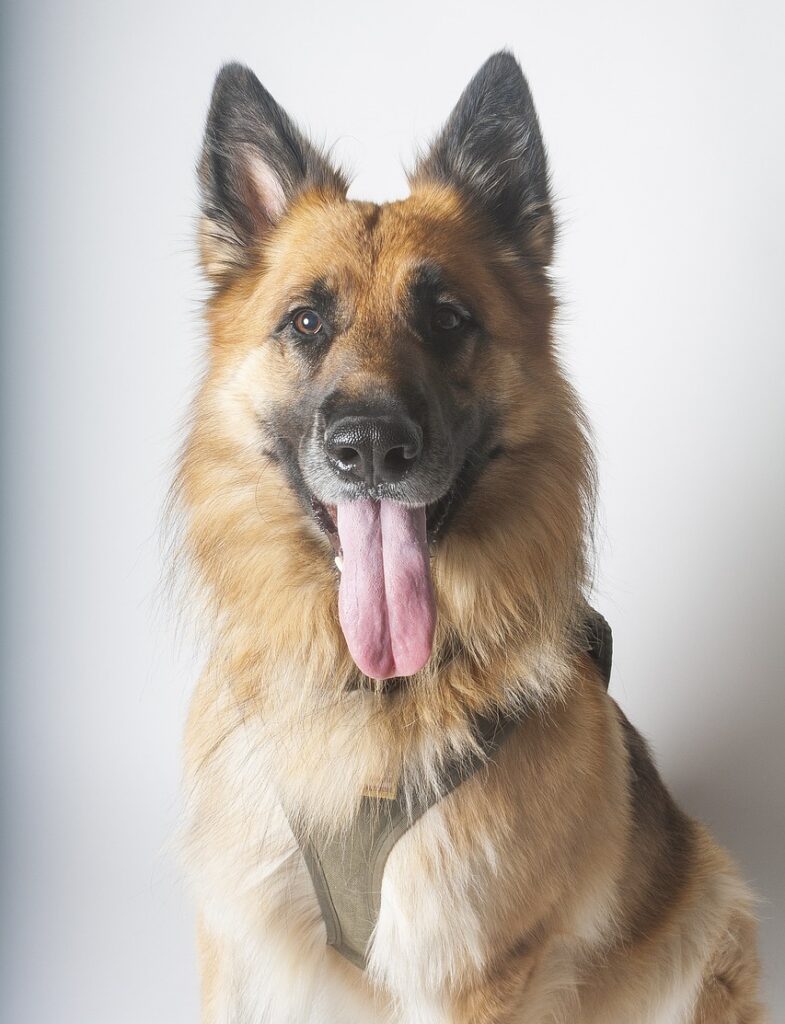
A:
(665, 129)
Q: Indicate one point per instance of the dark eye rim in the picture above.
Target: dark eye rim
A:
(304, 332)
(460, 315)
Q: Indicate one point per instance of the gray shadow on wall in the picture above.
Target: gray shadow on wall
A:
(732, 773)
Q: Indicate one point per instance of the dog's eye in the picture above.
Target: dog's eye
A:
(307, 322)
(445, 318)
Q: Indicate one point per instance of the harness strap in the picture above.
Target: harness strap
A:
(347, 870)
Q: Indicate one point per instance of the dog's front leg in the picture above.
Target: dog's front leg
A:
(218, 992)
(522, 988)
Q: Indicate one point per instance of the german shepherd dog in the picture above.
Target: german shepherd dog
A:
(386, 501)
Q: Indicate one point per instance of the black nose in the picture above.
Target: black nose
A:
(374, 449)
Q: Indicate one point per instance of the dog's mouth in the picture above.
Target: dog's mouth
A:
(386, 602)
(382, 548)
(436, 515)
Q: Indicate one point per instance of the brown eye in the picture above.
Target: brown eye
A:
(307, 322)
(445, 318)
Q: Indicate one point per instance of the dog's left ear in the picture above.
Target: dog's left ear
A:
(492, 150)
(254, 164)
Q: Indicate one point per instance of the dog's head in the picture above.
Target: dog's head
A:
(390, 365)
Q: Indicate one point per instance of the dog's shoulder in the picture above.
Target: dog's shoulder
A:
(662, 837)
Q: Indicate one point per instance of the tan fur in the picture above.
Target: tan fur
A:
(552, 886)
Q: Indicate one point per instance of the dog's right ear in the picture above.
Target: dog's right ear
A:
(254, 163)
(491, 149)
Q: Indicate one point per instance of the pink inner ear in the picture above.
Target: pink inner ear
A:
(266, 186)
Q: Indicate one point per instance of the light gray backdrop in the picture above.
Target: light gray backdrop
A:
(665, 128)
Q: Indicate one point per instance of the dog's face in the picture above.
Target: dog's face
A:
(378, 328)
(381, 357)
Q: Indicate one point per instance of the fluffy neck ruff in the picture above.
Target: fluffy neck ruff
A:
(509, 578)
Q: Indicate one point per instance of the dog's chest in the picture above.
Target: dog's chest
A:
(258, 897)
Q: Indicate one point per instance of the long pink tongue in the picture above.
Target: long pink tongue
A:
(385, 602)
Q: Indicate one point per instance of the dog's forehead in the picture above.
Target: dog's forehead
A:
(369, 248)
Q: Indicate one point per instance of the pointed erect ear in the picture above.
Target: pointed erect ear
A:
(492, 150)
(254, 162)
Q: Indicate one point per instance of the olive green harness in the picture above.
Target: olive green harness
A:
(347, 870)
